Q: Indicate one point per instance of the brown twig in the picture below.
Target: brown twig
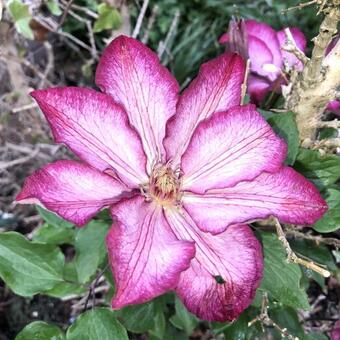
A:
(265, 320)
(290, 232)
(49, 65)
(150, 24)
(140, 19)
(163, 45)
(63, 18)
(290, 46)
(292, 257)
(245, 81)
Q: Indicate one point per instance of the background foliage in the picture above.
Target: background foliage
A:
(55, 279)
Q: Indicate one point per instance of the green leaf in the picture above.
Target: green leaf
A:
(97, 324)
(53, 7)
(331, 220)
(21, 17)
(159, 327)
(285, 126)
(90, 249)
(183, 319)
(315, 336)
(240, 330)
(322, 170)
(39, 330)
(65, 289)
(27, 267)
(109, 18)
(54, 235)
(53, 219)
(138, 318)
(281, 279)
(286, 317)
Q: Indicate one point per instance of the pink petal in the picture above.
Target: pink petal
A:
(145, 255)
(73, 190)
(258, 88)
(260, 55)
(335, 332)
(132, 74)
(216, 88)
(334, 106)
(285, 194)
(96, 129)
(267, 34)
(230, 147)
(301, 43)
(233, 257)
(224, 38)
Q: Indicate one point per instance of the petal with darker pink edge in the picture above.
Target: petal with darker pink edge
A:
(74, 191)
(96, 129)
(216, 88)
(285, 194)
(227, 268)
(132, 74)
(145, 255)
(231, 147)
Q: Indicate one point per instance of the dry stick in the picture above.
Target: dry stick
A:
(290, 232)
(335, 124)
(290, 46)
(318, 83)
(63, 18)
(24, 107)
(6, 165)
(92, 288)
(265, 320)
(151, 22)
(140, 19)
(163, 45)
(244, 84)
(49, 65)
(292, 257)
(27, 64)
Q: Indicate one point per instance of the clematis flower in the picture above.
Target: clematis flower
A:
(263, 46)
(181, 174)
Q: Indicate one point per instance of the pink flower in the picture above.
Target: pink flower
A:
(180, 173)
(263, 46)
(335, 333)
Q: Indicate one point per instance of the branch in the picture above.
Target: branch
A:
(265, 320)
(292, 257)
(290, 46)
(312, 89)
(140, 19)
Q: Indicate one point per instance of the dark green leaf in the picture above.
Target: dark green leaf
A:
(40, 330)
(90, 249)
(286, 317)
(285, 126)
(27, 267)
(109, 18)
(48, 233)
(97, 324)
(183, 319)
(65, 289)
(53, 219)
(322, 170)
(281, 279)
(331, 220)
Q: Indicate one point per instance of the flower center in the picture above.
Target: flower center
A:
(164, 186)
